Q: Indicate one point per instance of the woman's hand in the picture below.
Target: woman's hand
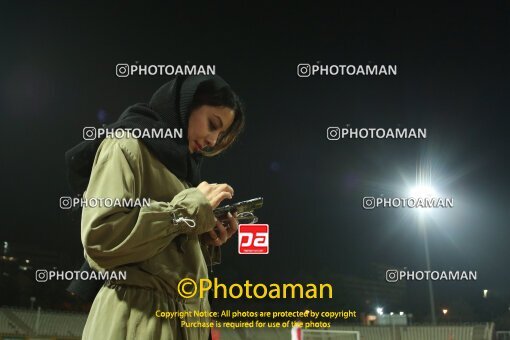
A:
(216, 193)
(219, 235)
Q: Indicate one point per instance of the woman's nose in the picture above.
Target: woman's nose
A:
(211, 139)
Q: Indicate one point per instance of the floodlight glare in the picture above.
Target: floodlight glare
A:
(423, 191)
(379, 310)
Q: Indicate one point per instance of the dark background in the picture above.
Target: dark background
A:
(57, 75)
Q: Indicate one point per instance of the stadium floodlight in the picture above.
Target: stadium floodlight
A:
(379, 310)
(423, 192)
(401, 313)
(423, 189)
(445, 311)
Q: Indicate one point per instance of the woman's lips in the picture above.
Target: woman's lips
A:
(198, 146)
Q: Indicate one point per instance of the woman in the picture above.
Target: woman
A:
(177, 235)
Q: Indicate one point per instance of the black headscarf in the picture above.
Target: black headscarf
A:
(169, 107)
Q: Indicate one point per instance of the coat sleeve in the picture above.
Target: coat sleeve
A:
(115, 236)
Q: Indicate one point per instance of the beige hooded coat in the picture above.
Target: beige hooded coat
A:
(146, 243)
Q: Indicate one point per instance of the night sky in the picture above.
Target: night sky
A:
(57, 75)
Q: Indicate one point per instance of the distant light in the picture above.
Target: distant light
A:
(102, 116)
(485, 292)
(445, 311)
(391, 313)
(275, 166)
(27, 261)
(379, 310)
(401, 313)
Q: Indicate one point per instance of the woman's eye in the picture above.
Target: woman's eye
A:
(211, 126)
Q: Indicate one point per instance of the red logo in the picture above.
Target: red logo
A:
(253, 239)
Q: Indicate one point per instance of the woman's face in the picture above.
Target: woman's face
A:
(205, 124)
